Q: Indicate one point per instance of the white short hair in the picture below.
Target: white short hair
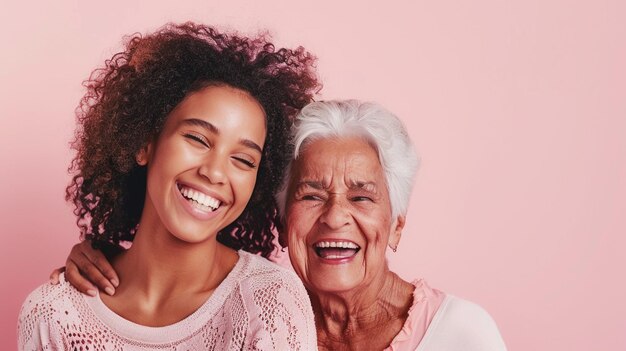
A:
(349, 118)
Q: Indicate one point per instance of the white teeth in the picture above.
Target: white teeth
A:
(339, 244)
(200, 198)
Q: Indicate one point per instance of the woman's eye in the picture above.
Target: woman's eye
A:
(197, 138)
(311, 198)
(246, 162)
(361, 198)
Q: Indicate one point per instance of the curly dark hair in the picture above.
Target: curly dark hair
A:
(129, 99)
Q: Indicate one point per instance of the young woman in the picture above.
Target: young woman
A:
(181, 145)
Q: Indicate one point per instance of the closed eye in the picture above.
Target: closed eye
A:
(312, 198)
(361, 198)
(197, 138)
(245, 162)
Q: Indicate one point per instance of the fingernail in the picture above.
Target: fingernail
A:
(91, 292)
(109, 290)
(115, 282)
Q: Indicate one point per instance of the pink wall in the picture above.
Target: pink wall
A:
(518, 109)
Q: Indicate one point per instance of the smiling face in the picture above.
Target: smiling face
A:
(339, 216)
(202, 168)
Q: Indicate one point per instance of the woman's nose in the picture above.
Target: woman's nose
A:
(336, 213)
(214, 169)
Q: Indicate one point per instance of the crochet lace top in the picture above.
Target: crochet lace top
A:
(258, 306)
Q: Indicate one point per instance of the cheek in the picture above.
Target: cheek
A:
(170, 159)
(296, 233)
(375, 254)
(300, 217)
(244, 183)
(249, 182)
(299, 225)
(376, 232)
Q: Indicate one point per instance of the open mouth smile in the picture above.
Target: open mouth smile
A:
(199, 199)
(336, 250)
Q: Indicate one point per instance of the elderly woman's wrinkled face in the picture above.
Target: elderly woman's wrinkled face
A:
(339, 215)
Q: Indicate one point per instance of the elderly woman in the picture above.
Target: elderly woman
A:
(344, 201)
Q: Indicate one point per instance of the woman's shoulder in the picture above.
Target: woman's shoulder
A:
(462, 325)
(50, 296)
(48, 306)
(466, 315)
(267, 285)
(260, 271)
(278, 306)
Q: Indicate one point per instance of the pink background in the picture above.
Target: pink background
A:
(518, 110)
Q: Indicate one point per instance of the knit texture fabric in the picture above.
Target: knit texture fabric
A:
(258, 306)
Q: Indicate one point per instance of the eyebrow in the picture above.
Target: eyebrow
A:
(203, 124)
(364, 185)
(354, 184)
(213, 129)
(318, 185)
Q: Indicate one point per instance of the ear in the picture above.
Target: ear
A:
(396, 231)
(143, 155)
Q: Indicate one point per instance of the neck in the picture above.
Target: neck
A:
(161, 263)
(367, 319)
(164, 279)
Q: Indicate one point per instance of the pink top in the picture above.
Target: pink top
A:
(426, 302)
(259, 306)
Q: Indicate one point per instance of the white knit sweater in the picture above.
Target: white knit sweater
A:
(259, 306)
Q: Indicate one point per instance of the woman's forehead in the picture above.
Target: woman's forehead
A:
(334, 151)
(355, 164)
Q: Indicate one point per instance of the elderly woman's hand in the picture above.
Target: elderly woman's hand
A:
(85, 266)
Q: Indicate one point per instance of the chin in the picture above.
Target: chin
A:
(192, 235)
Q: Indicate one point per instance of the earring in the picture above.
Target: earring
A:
(140, 160)
(395, 249)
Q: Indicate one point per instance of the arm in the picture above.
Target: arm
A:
(84, 268)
